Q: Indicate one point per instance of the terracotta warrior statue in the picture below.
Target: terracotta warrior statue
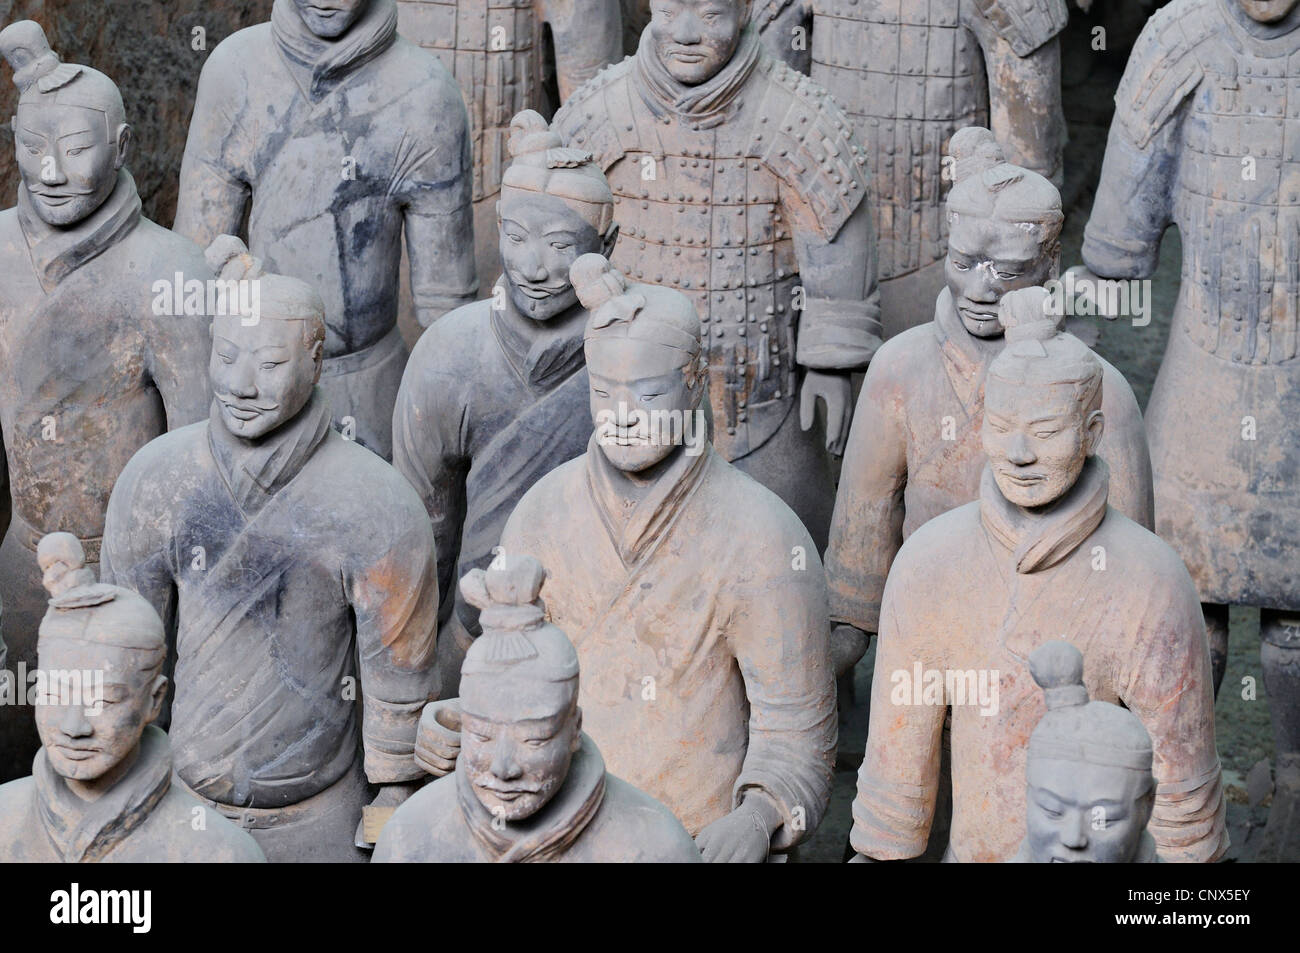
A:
(934, 67)
(95, 359)
(738, 182)
(495, 394)
(1090, 789)
(101, 789)
(498, 53)
(530, 785)
(914, 451)
(1039, 556)
(346, 139)
(693, 595)
(1203, 139)
(300, 569)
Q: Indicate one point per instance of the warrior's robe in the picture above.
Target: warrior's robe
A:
(344, 147)
(143, 818)
(594, 818)
(915, 452)
(975, 591)
(491, 401)
(93, 365)
(1209, 95)
(699, 616)
(291, 561)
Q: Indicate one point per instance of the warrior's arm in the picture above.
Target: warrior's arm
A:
(899, 777)
(180, 346)
(394, 597)
(588, 35)
(1025, 105)
(1124, 448)
(777, 22)
(214, 188)
(782, 645)
(867, 525)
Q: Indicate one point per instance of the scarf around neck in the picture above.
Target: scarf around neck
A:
(541, 353)
(707, 104)
(87, 831)
(1042, 539)
(553, 830)
(331, 60)
(57, 252)
(254, 471)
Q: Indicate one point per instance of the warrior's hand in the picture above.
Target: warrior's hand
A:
(835, 388)
(437, 742)
(848, 645)
(1087, 287)
(742, 837)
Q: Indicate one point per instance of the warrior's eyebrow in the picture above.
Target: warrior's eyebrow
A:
(1049, 417)
(79, 132)
(1014, 262)
(560, 231)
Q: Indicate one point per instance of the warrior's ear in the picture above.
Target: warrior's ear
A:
(607, 242)
(123, 144)
(157, 693)
(1096, 426)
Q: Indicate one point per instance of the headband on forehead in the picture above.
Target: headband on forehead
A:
(988, 186)
(1079, 730)
(641, 312)
(542, 165)
(42, 78)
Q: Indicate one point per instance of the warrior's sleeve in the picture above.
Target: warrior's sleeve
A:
(394, 596)
(786, 29)
(1170, 688)
(138, 550)
(1125, 449)
(180, 347)
(588, 35)
(867, 525)
(899, 777)
(782, 644)
(214, 184)
(437, 209)
(428, 441)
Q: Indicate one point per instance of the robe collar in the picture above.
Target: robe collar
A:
(330, 61)
(1040, 540)
(706, 105)
(58, 252)
(86, 831)
(553, 830)
(541, 353)
(636, 535)
(966, 357)
(254, 471)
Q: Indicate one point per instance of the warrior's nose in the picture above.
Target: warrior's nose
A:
(1074, 831)
(1019, 452)
(52, 170)
(686, 29)
(75, 723)
(504, 764)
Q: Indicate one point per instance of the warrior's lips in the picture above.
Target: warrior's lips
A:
(76, 754)
(1024, 479)
(244, 413)
(537, 291)
(687, 56)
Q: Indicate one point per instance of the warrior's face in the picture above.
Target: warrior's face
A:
(262, 374)
(88, 726)
(642, 396)
(330, 19)
(1085, 813)
(518, 737)
(1037, 438)
(986, 259)
(67, 159)
(1268, 11)
(541, 237)
(694, 39)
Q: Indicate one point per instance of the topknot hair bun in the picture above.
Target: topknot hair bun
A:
(1024, 315)
(974, 150)
(1057, 667)
(596, 281)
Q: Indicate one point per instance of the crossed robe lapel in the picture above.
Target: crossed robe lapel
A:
(539, 355)
(965, 357)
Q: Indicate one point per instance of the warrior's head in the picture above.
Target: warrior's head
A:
(555, 206)
(694, 39)
(70, 131)
(520, 720)
(1042, 403)
(330, 19)
(1004, 229)
(645, 363)
(1088, 768)
(264, 365)
(100, 653)
(1268, 11)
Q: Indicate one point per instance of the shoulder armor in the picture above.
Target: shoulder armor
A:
(763, 12)
(592, 118)
(811, 145)
(1165, 67)
(1025, 24)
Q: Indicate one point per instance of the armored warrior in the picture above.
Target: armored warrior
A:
(1203, 138)
(289, 557)
(914, 451)
(101, 789)
(346, 139)
(495, 394)
(935, 66)
(497, 52)
(1089, 786)
(530, 785)
(738, 182)
(693, 595)
(94, 361)
(1039, 556)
